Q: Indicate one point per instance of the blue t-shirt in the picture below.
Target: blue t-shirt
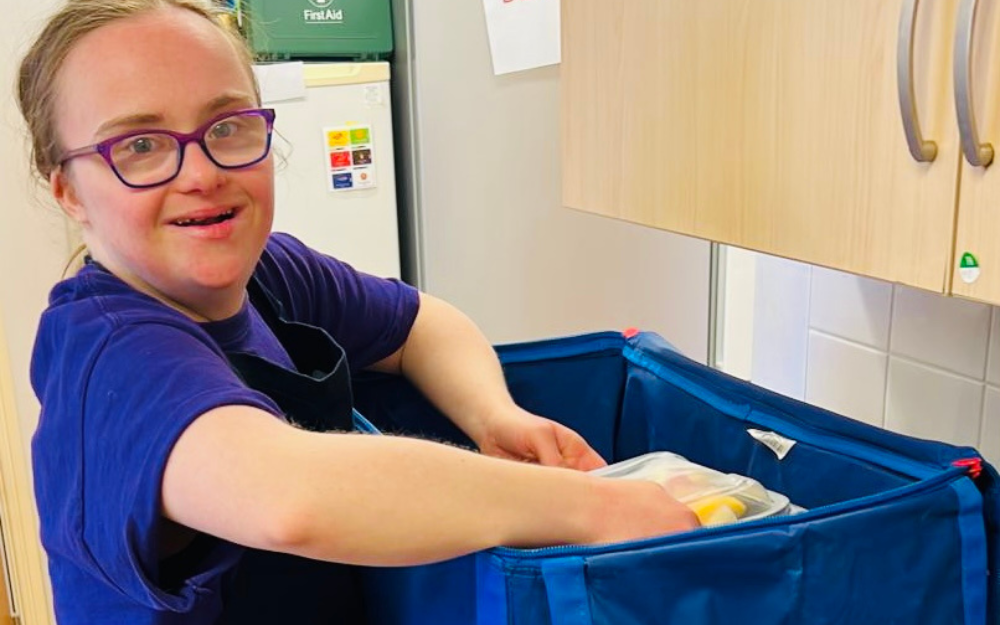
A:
(121, 375)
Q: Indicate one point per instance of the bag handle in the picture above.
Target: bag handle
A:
(566, 589)
(363, 425)
(491, 591)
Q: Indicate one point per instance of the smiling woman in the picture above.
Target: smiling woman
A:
(193, 458)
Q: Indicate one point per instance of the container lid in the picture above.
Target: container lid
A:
(717, 498)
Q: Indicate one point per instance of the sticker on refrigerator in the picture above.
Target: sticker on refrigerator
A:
(340, 160)
(350, 158)
(343, 181)
(364, 177)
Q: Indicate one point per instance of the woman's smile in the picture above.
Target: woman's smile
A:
(209, 218)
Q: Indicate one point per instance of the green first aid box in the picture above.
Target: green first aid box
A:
(308, 29)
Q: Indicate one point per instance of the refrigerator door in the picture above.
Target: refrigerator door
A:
(335, 186)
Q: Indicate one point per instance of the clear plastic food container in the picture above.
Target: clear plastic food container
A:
(716, 498)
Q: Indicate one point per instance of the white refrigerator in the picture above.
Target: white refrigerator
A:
(335, 185)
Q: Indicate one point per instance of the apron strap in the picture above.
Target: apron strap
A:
(317, 395)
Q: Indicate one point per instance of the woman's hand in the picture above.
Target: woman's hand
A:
(635, 509)
(516, 434)
(450, 361)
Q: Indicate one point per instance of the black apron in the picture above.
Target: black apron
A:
(278, 588)
(274, 588)
(317, 394)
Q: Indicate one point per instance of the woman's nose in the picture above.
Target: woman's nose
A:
(198, 172)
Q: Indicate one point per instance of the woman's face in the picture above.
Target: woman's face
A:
(170, 70)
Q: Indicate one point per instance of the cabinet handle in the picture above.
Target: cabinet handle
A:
(978, 154)
(923, 151)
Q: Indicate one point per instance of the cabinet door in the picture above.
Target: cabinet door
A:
(773, 125)
(978, 231)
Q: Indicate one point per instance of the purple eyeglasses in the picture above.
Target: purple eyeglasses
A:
(149, 158)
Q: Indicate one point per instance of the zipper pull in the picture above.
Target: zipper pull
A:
(630, 332)
(973, 465)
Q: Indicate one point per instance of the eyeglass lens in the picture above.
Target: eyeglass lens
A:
(154, 157)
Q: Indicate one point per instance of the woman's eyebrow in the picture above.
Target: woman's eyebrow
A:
(228, 99)
(128, 121)
(151, 120)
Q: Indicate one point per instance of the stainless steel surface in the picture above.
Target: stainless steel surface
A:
(404, 110)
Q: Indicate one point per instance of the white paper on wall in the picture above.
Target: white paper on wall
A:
(524, 34)
(281, 81)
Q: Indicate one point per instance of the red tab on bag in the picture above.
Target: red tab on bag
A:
(630, 332)
(974, 465)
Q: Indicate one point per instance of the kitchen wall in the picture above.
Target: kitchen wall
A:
(33, 250)
(487, 230)
(33, 236)
(908, 360)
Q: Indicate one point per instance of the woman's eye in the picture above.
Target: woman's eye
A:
(142, 145)
(223, 130)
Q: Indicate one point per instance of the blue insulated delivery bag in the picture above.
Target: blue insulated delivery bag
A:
(895, 529)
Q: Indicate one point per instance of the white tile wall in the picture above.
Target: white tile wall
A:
(993, 368)
(932, 403)
(860, 394)
(941, 331)
(908, 360)
(989, 440)
(851, 307)
(781, 326)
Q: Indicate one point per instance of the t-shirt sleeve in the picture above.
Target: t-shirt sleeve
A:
(146, 385)
(370, 317)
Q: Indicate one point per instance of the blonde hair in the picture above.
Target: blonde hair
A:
(40, 67)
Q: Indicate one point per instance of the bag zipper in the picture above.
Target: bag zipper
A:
(806, 433)
(822, 512)
(584, 344)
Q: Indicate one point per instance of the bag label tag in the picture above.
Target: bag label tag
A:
(775, 442)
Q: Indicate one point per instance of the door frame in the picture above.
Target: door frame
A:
(29, 583)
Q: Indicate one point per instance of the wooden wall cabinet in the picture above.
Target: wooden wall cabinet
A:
(778, 125)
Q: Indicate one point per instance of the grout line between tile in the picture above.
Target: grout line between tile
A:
(847, 338)
(990, 355)
(982, 419)
(809, 300)
(981, 379)
(888, 359)
(851, 342)
(937, 369)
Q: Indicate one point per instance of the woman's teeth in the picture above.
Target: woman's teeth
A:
(208, 221)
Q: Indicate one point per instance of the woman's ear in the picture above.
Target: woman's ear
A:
(65, 193)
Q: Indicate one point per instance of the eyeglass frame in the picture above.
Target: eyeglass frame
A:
(103, 148)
